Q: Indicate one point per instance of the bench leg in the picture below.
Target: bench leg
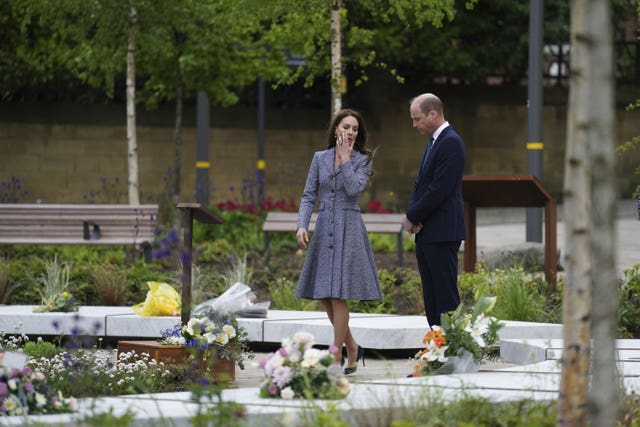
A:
(266, 249)
(146, 249)
(400, 249)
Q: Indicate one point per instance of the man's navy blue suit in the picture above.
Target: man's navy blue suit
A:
(436, 203)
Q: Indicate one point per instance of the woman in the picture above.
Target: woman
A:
(339, 264)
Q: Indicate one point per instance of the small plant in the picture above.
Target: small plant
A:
(11, 191)
(629, 297)
(521, 295)
(111, 191)
(41, 348)
(55, 281)
(7, 287)
(239, 271)
(213, 410)
(111, 283)
(297, 370)
(281, 295)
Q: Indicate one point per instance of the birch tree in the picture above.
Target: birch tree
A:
(589, 202)
(132, 142)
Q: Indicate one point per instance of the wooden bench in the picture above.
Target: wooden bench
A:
(375, 223)
(67, 224)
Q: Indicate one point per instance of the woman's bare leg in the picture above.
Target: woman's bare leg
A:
(338, 313)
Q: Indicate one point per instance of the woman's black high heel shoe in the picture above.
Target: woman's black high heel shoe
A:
(354, 368)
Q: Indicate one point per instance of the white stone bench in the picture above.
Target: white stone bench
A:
(375, 331)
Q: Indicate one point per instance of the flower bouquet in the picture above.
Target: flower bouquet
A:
(461, 343)
(25, 392)
(297, 370)
(212, 334)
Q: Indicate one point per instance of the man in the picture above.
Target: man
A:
(436, 212)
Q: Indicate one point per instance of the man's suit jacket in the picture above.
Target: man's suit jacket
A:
(436, 201)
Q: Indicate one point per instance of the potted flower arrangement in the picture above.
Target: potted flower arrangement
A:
(213, 340)
(462, 341)
(297, 370)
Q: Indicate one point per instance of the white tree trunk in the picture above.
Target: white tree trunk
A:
(336, 60)
(603, 396)
(590, 289)
(132, 142)
(577, 257)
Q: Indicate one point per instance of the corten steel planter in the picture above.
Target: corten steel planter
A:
(220, 369)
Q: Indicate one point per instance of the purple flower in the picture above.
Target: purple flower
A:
(264, 361)
(282, 375)
(29, 388)
(3, 389)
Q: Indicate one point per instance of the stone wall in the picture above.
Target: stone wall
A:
(63, 153)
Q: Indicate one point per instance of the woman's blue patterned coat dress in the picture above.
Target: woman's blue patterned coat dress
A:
(339, 262)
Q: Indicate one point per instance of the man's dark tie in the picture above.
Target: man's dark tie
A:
(426, 154)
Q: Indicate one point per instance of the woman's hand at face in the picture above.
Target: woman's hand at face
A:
(344, 147)
(303, 237)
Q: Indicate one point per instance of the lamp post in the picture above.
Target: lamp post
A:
(535, 145)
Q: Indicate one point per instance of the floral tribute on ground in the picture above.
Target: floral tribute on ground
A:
(26, 392)
(463, 341)
(212, 334)
(300, 371)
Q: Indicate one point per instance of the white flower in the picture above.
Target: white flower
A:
(287, 393)
(294, 356)
(222, 338)
(210, 337)
(274, 362)
(229, 330)
(190, 325)
(41, 399)
(479, 328)
(311, 357)
(303, 338)
(287, 344)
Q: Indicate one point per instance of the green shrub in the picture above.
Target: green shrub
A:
(520, 295)
(282, 298)
(629, 297)
(8, 284)
(41, 349)
(244, 230)
(383, 242)
(110, 282)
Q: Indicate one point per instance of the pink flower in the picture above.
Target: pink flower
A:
(273, 389)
